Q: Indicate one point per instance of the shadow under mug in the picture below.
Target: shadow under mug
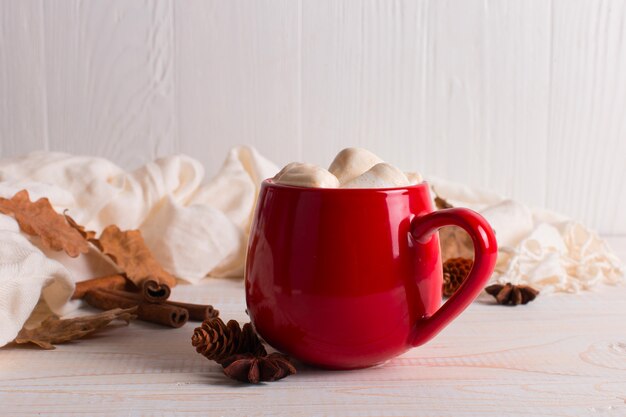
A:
(348, 278)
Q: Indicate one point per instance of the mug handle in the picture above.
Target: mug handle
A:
(485, 252)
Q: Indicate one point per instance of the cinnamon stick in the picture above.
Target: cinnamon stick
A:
(163, 314)
(197, 312)
(154, 292)
(116, 281)
(106, 299)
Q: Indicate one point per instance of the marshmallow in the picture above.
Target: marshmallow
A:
(306, 175)
(380, 175)
(413, 177)
(352, 162)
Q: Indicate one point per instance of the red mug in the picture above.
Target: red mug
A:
(348, 278)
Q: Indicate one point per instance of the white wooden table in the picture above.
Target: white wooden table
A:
(562, 355)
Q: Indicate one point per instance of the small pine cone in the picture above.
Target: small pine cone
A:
(218, 341)
(455, 270)
(201, 338)
(214, 339)
(240, 352)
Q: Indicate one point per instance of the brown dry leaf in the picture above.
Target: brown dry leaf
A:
(86, 234)
(129, 251)
(53, 330)
(39, 219)
(442, 203)
(455, 243)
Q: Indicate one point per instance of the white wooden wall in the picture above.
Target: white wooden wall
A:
(527, 97)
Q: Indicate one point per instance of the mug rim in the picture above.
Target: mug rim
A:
(270, 182)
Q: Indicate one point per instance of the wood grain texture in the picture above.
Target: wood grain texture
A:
(110, 78)
(446, 88)
(363, 79)
(524, 97)
(517, 75)
(587, 128)
(23, 118)
(237, 66)
(561, 355)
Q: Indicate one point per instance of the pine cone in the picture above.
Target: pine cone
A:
(240, 352)
(218, 341)
(510, 294)
(254, 369)
(455, 270)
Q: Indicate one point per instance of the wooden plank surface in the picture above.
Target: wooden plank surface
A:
(525, 97)
(23, 103)
(562, 355)
(446, 88)
(364, 69)
(110, 79)
(587, 90)
(237, 82)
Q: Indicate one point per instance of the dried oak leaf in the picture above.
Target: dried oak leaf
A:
(440, 202)
(129, 251)
(455, 243)
(39, 219)
(53, 330)
(86, 234)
